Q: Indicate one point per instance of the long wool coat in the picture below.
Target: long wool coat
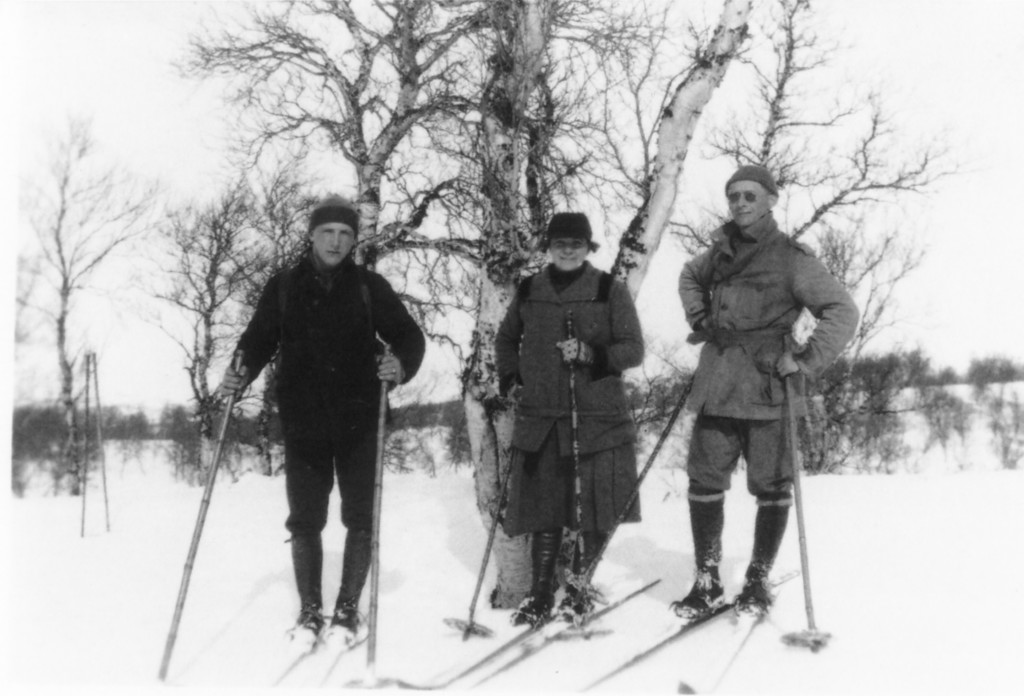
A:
(742, 296)
(526, 352)
(327, 375)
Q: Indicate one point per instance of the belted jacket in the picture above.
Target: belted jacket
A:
(742, 297)
(526, 352)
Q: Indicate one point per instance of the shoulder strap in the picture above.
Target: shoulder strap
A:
(523, 291)
(282, 291)
(364, 290)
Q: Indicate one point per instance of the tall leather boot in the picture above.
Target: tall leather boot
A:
(544, 554)
(354, 567)
(578, 602)
(769, 528)
(307, 561)
(593, 540)
(707, 519)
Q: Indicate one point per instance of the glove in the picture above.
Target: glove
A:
(787, 365)
(575, 351)
(389, 369)
(232, 383)
(509, 386)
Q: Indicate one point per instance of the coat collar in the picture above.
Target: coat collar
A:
(724, 237)
(583, 289)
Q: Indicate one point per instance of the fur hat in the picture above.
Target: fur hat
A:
(570, 226)
(758, 174)
(334, 208)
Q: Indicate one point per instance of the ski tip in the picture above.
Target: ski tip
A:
(685, 688)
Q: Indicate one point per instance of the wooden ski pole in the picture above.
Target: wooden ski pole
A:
(469, 626)
(635, 493)
(812, 638)
(574, 414)
(204, 505)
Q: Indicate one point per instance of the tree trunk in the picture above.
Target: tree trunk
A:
(489, 427)
(678, 123)
(521, 40)
(71, 459)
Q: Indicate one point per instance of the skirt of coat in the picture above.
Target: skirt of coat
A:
(542, 489)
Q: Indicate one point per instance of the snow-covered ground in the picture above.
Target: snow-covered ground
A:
(917, 576)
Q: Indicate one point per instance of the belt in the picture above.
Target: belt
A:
(729, 337)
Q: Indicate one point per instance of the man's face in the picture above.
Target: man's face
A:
(332, 242)
(568, 254)
(749, 202)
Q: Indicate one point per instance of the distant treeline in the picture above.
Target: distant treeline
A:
(38, 430)
(857, 424)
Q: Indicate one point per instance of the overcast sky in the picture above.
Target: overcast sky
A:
(952, 67)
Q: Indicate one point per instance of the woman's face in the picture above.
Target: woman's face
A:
(568, 254)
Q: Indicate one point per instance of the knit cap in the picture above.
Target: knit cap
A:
(334, 208)
(756, 173)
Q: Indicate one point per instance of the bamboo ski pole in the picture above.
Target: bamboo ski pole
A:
(99, 439)
(378, 489)
(811, 638)
(204, 505)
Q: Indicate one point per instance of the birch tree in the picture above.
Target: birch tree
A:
(209, 261)
(490, 427)
(82, 211)
(463, 136)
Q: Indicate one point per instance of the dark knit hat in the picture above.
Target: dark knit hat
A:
(758, 174)
(334, 209)
(569, 226)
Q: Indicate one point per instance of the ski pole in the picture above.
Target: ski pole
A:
(811, 638)
(204, 505)
(99, 440)
(378, 485)
(635, 493)
(469, 626)
(575, 430)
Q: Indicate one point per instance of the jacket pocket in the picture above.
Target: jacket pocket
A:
(765, 356)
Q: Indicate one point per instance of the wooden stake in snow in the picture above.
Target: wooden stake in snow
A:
(99, 437)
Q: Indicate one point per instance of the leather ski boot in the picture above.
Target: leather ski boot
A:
(536, 608)
(769, 528)
(707, 518)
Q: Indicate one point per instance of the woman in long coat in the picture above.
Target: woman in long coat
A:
(535, 354)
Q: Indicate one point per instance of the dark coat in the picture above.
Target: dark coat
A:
(525, 350)
(743, 296)
(327, 375)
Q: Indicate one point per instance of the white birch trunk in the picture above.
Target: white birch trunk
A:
(490, 429)
(490, 437)
(678, 123)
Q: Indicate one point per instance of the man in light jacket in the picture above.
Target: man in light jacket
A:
(742, 297)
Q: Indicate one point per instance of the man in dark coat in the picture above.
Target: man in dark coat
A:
(535, 354)
(742, 297)
(324, 314)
